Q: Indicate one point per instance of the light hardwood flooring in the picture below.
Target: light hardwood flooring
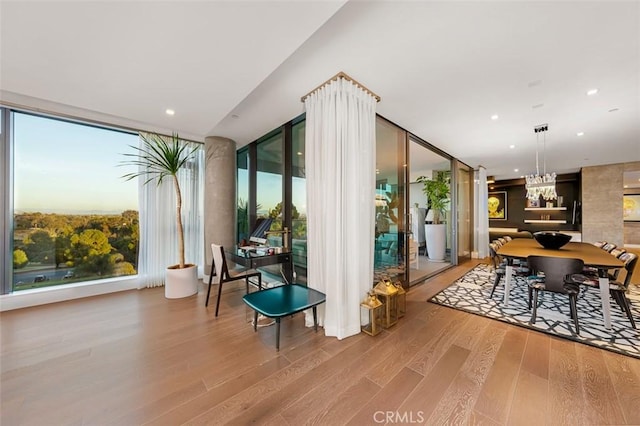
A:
(137, 358)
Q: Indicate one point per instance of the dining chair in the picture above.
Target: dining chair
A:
(617, 289)
(221, 271)
(599, 244)
(608, 247)
(556, 271)
(500, 266)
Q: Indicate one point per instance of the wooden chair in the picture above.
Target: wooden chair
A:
(617, 289)
(608, 247)
(556, 272)
(220, 270)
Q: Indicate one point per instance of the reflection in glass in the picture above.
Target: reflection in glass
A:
(389, 258)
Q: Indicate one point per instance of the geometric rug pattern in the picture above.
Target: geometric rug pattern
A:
(471, 294)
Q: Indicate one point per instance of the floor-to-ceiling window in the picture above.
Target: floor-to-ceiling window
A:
(299, 202)
(73, 217)
(242, 200)
(269, 189)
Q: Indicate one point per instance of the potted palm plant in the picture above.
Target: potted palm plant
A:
(157, 159)
(437, 192)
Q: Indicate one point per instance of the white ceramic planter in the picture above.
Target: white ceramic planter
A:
(436, 237)
(181, 282)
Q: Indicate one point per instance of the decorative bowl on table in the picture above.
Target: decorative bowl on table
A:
(551, 240)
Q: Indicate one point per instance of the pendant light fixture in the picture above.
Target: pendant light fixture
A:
(544, 185)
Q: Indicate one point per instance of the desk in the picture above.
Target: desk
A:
(252, 260)
(520, 248)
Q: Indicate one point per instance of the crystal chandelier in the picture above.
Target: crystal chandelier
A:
(541, 185)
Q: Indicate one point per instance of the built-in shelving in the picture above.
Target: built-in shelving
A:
(544, 221)
(542, 209)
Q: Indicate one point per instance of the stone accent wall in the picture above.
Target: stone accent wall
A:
(632, 229)
(602, 191)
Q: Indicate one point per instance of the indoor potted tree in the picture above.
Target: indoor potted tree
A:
(437, 192)
(159, 158)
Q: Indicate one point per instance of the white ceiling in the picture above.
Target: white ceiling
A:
(238, 69)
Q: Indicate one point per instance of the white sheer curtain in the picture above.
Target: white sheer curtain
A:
(340, 164)
(158, 246)
(481, 214)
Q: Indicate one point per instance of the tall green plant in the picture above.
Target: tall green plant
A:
(157, 159)
(437, 192)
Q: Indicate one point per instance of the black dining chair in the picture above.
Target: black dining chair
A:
(617, 289)
(554, 278)
(221, 271)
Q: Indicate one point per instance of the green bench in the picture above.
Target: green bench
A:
(278, 302)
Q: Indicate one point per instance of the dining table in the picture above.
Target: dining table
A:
(592, 256)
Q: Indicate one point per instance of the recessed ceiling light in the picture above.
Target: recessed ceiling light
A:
(494, 117)
(170, 112)
(592, 92)
(299, 153)
(516, 170)
(512, 146)
(521, 176)
(580, 134)
(626, 186)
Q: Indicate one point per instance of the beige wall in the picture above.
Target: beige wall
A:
(632, 229)
(602, 191)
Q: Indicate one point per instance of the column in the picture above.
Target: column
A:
(219, 195)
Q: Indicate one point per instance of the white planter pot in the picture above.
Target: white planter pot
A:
(436, 237)
(181, 282)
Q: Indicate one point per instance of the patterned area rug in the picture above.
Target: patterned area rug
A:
(471, 294)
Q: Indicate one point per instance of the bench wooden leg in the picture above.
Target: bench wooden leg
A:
(278, 334)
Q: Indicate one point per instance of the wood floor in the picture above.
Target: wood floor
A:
(136, 358)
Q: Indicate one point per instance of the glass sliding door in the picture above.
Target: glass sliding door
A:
(390, 220)
(431, 234)
(463, 204)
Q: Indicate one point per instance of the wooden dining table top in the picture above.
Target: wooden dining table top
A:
(591, 255)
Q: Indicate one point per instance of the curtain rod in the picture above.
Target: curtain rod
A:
(346, 77)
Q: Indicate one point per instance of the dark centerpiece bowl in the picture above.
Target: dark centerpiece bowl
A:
(551, 240)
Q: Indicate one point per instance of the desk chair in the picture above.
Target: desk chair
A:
(220, 270)
(556, 279)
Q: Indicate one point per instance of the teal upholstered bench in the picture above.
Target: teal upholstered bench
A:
(278, 302)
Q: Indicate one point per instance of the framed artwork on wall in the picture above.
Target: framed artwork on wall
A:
(497, 203)
(631, 208)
